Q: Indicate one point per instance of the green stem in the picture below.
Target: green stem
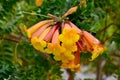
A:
(35, 14)
(15, 53)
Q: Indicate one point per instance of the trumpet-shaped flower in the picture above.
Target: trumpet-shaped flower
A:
(98, 49)
(57, 50)
(71, 65)
(40, 31)
(64, 42)
(35, 27)
(70, 11)
(93, 45)
(38, 42)
(45, 32)
(55, 47)
(51, 33)
(38, 45)
(69, 36)
(74, 9)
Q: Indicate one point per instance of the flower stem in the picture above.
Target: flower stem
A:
(71, 74)
(35, 14)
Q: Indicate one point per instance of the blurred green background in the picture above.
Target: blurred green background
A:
(20, 61)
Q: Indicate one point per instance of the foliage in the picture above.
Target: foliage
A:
(20, 61)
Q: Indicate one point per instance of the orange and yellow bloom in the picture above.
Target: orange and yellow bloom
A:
(65, 41)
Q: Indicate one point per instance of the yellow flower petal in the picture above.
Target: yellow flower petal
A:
(71, 65)
(71, 48)
(69, 36)
(39, 45)
(54, 48)
(67, 56)
(98, 49)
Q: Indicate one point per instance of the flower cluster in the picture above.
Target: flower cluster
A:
(65, 41)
